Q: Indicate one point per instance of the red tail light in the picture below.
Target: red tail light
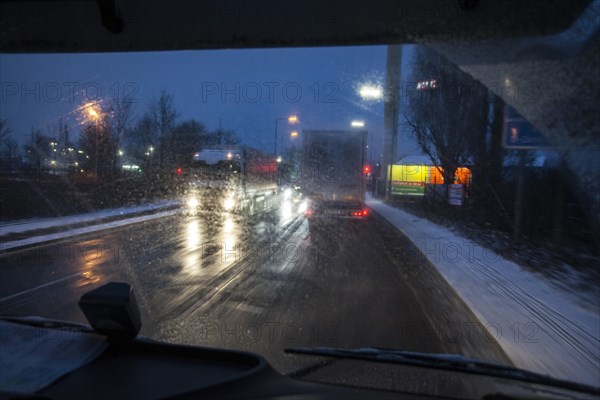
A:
(309, 212)
(362, 213)
(179, 171)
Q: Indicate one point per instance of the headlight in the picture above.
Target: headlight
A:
(193, 202)
(229, 203)
(303, 207)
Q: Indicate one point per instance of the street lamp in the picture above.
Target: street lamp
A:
(120, 163)
(148, 154)
(368, 92)
(357, 124)
(53, 145)
(292, 119)
(93, 112)
(294, 134)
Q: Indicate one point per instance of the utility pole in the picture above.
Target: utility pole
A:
(518, 217)
(220, 132)
(390, 113)
(275, 140)
(96, 150)
(162, 145)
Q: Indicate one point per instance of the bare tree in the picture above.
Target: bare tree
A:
(10, 148)
(4, 130)
(164, 115)
(98, 143)
(39, 149)
(229, 137)
(449, 120)
(8, 145)
(141, 136)
(121, 112)
(186, 138)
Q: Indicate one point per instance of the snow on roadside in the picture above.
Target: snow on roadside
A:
(541, 328)
(31, 225)
(85, 230)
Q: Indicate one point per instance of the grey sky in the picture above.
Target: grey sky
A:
(245, 89)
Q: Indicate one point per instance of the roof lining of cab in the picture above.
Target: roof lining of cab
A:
(133, 25)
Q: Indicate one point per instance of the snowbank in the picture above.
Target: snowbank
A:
(540, 327)
(128, 215)
(32, 225)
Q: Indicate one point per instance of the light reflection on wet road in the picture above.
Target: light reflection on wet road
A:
(262, 283)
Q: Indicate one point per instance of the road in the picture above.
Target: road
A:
(259, 284)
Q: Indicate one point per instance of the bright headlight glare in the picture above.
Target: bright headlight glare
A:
(229, 203)
(193, 202)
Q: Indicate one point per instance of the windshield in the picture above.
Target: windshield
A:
(410, 197)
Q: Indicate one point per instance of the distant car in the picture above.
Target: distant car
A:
(296, 194)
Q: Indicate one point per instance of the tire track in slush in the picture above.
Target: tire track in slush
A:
(219, 282)
(543, 313)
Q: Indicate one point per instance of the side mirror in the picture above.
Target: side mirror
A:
(112, 311)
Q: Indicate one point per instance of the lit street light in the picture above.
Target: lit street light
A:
(357, 124)
(292, 119)
(371, 92)
(120, 163)
(94, 112)
(294, 134)
(148, 154)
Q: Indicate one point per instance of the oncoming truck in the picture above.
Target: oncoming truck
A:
(333, 173)
(235, 179)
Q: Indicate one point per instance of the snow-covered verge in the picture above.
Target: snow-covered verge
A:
(540, 327)
(95, 221)
(32, 225)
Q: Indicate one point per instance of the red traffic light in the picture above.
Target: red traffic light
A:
(179, 171)
(367, 169)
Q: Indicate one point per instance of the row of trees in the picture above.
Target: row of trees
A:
(157, 138)
(173, 141)
(112, 133)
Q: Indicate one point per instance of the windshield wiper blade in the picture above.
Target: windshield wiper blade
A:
(42, 322)
(451, 362)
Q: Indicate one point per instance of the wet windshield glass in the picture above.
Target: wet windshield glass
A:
(405, 197)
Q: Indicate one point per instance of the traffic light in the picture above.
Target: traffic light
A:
(367, 169)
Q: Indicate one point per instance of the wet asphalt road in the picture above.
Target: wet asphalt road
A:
(261, 284)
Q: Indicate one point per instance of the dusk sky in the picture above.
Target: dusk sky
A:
(245, 89)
